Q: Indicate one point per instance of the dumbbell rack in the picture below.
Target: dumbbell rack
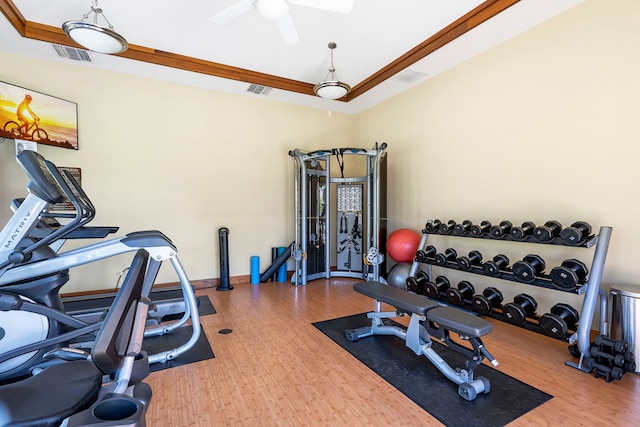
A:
(590, 287)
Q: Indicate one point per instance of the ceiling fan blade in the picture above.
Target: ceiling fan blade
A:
(340, 6)
(288, 30)
(233, 12)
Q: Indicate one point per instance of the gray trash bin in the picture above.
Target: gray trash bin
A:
(625, 319)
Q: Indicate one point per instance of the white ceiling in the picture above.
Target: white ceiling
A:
(374, 34)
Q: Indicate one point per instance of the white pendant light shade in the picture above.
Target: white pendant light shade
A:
(331, 87)
(93, 36)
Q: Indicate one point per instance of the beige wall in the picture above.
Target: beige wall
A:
(544, 126)
(541, 127)
(178, 159)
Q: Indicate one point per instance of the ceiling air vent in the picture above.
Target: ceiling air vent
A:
(259, 89)
(409, 76)
(72, 53)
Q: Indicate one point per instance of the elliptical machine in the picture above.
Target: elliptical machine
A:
(32, 317)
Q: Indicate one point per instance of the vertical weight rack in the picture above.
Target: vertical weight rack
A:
(340, 223)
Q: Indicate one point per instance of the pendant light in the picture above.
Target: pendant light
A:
(93, 36)
(331, 87)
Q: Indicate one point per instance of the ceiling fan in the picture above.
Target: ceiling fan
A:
(278, 10)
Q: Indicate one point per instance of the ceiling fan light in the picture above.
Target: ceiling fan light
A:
(95, 37)
(272, 9)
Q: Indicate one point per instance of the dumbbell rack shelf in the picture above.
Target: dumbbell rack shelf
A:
(542, 280)
(580, 339)
(587, 242)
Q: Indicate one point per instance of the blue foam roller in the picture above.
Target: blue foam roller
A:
(255, 270)
(282, 271)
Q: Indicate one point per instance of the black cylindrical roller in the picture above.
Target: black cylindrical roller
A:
(524, 231)
(527, 269)
(548, 231)
(501, 230)
(523, 306)
(466, 262)
(432, 226)
(428, 253)
(462, 228)
(438, 288)
(569, 275)
(484, 304)
(416, 284)
(446, 228)
(492, 268)
(559, 321)
(464, 292)
(576, 233)
(479, 230)
(449, 255)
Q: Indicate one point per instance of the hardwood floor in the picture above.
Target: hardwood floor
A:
(277, 369)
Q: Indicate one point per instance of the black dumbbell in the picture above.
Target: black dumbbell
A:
(525, 230)
(479, 230)
(416, 284)
(466, 262)
(446, 228)
(548, 231)
(617, 345)
(492, 268)
(428, 253)
(484, 304)
(501, 230)
(464, 293)
(575, 233)
(624, 360)
(617, 359)
(527, 269)
(432, 226)
(523, 306)
(462, 228)
(438, 288)
(615, 373)
(569, 275)
(449, 254)
(559, 321)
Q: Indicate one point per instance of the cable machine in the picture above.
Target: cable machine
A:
(341, 220)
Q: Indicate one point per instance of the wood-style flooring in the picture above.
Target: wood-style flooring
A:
(277, 369)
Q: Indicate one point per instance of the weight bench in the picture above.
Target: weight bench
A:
(428, 318)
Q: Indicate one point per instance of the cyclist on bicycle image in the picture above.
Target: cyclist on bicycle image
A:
(24, 112)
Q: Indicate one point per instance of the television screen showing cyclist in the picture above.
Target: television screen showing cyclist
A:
(33, 116)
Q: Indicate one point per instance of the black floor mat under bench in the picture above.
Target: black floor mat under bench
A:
(420, 381)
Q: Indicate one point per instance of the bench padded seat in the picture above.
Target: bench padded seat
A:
(459, 321)
(448, 318)
(400, 299)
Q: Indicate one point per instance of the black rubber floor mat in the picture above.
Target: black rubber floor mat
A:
(199, 352)
(420, 381)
